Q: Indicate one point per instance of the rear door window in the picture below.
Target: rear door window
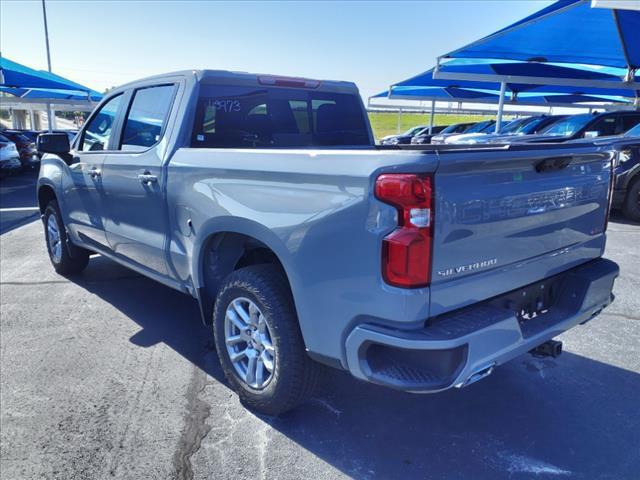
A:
(276, 117)
(147, 117)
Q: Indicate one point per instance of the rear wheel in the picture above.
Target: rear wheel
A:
(66, 258)
(259, 342)
(631, 206)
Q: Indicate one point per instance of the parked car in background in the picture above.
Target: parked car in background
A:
(509, 127)
(266, 199)
(405, 138)
(528, 126)
(626, 192)
(30, 134)
(587, 125)
(26, 148)
(425, 138)
(9, 157)
(483, 126)
(33, 134)
(626, 182)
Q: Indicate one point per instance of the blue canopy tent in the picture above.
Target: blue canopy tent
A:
(565, 100)
(52, 94)
(13, 74)
(523, 76)
(608, 39)
(570, 32)
(445, 94)
(36, 86)
(508, 70)
(476, 96)
(457, 94)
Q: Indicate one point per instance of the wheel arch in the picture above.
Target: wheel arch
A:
(46, 193)
(227, 245)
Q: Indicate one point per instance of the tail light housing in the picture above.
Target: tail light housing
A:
(406, 252)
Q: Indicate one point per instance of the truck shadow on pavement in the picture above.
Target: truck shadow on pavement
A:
(570, 417)
(18, 194)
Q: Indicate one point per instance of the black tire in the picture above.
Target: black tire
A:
(631, 206)
(71, 259)
(295, 374)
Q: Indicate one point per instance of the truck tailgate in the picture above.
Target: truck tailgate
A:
(507, 218)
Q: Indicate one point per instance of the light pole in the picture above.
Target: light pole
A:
(46, 38)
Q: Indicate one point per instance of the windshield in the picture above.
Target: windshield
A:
(568, 126)
(634, 132)
(531, 126)
(276, 117)
(451, 128)
(479, 127)
(514, 125)
(414, 131)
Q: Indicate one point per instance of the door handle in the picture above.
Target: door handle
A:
(95, 173)
(147, 178)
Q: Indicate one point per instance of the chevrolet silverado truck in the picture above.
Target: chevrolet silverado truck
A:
(420, 268)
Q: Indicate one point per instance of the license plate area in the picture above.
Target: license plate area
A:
(532, 302)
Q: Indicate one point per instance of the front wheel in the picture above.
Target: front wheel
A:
(259, 343)
(67, 259)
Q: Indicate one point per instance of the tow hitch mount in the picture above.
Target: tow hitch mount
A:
(550, 348)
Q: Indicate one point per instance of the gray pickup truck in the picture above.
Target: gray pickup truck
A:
(265, 198)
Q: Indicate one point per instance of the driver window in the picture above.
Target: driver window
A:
(96, 135)
(146, 118)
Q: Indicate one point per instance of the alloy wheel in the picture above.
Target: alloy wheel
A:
(248, 340)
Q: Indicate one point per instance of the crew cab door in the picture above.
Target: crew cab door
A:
(83, 198)
(134, 214)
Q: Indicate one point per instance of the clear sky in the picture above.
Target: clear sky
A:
(106, 43)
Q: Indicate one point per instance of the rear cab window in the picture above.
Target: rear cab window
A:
(277, 117)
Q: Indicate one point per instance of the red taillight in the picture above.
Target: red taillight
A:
(406, 252)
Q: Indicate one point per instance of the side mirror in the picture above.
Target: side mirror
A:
(57, 143)
(591, 134)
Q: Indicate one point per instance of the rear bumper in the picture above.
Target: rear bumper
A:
(460, 347)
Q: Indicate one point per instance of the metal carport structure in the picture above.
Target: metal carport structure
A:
(32, 89)
(608, 39)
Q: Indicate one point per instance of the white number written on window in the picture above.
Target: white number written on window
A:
(225, 105)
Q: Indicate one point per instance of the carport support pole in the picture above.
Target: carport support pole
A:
(46, 38)
(399, 116)
(503, 89)
(433, 111)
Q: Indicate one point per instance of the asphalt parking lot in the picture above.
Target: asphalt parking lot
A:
(111, 375)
